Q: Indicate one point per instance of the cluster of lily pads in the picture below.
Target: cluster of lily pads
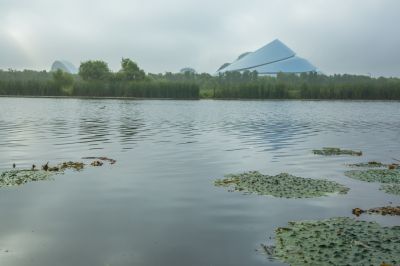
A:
(337, 241)
(281, 185)
(16, 177)
(391, 188)
(20, 177)
(389, 178)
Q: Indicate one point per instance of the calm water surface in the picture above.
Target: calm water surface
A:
(157, 205)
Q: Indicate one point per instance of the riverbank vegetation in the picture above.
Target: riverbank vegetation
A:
(96, 79)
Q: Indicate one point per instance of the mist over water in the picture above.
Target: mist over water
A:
(157, 205)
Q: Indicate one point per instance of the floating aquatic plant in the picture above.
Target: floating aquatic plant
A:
(96, 163)
(389, 177)
(388, 210)
(394, 166)
(63, 166)
(328, 151)
(372, 164)
(337, 241)
(19, 177)
(111, 161)
(391, 188)
(375, 175)
(72, 165)
(281, 185)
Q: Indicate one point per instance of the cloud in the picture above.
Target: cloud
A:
(347, 37)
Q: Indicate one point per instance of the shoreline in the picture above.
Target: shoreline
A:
(189, 99)
(95, 97)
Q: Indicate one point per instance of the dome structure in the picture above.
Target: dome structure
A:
(64, 66)
(187, 69)
(272, 58)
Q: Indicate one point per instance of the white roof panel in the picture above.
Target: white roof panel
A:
(65, 66)
(272, 52)
(292, 65)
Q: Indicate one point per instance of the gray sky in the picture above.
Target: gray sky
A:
(347, 36)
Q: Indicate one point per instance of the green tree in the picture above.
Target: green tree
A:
(94, 70)
(63, 81)
(130, 71)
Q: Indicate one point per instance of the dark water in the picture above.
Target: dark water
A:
(157, 205)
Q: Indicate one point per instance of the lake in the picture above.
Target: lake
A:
(157, 205)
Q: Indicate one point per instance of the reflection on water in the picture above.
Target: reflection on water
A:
(157, 205)
(94, 131)
(129, 129)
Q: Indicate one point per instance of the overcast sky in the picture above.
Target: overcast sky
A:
(348, 36)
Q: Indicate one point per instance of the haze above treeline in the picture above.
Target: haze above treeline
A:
(355, 37)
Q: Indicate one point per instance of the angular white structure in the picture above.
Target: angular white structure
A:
(187, 69)
(64, 66)
(273, 58)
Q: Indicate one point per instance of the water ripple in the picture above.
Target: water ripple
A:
(268, 126)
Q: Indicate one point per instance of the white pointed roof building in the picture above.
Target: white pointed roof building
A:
(64, 66)
(272, 58)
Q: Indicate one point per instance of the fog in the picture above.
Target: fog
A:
(358, 37)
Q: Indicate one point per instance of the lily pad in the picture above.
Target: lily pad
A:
(337, 241)
(375, 175)
(20, 177)
(388, 210)
(391, 189)
(371, 164)
(282, 185)
(329, 151)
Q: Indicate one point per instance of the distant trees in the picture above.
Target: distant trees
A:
(63, 80)
(96, 79)
(130, 71)
(94, 70)
(129, 81)
(98, 71)
(25, 75)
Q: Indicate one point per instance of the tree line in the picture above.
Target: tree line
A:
(250, 85)
(96, 79)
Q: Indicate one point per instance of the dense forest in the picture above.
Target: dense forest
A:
(95, 79)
